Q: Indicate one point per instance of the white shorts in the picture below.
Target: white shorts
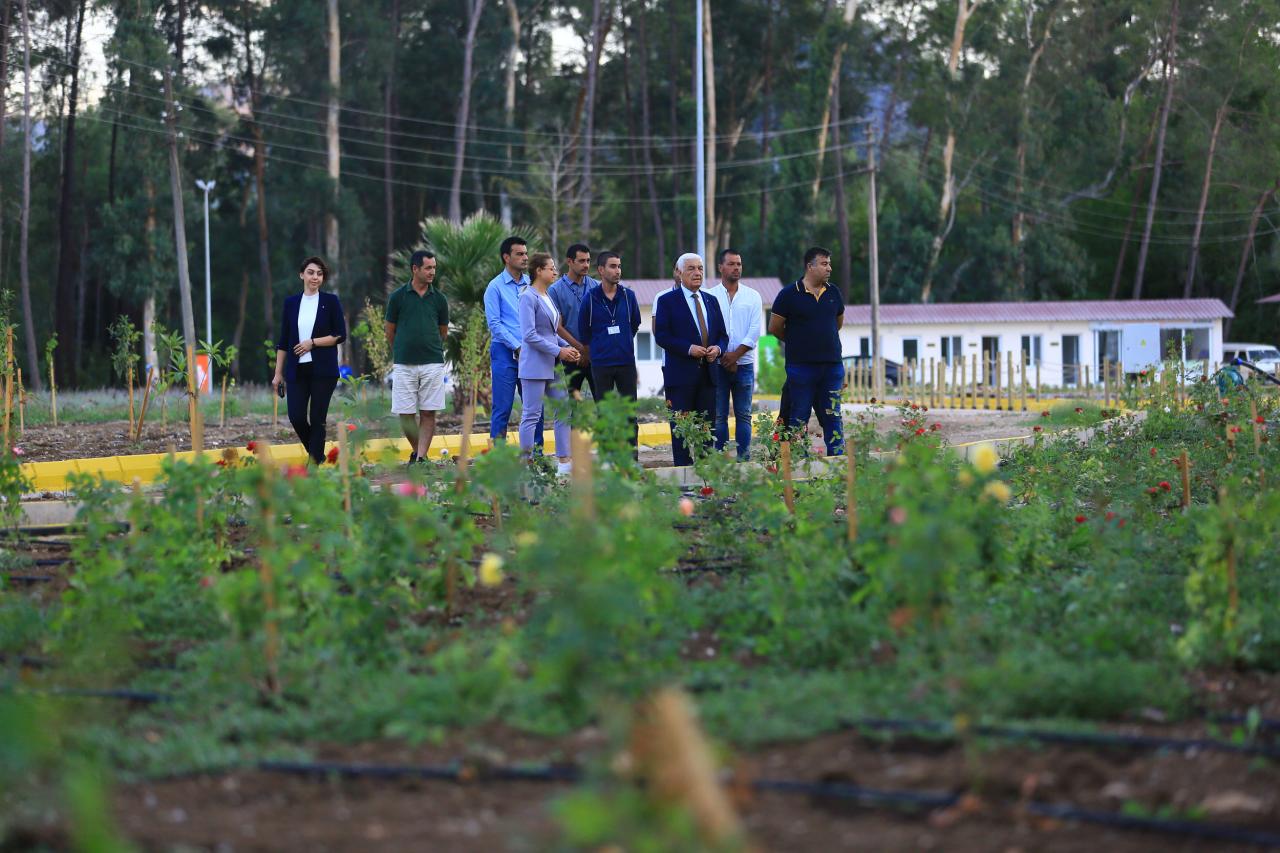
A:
(416, 388)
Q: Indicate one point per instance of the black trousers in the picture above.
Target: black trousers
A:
(308, 398)
(699, 397)
(622, 379)
(577, 375)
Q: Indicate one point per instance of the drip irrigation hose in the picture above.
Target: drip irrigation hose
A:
(29, 578)
(58, 530)
(1146, 742)
(899, 799)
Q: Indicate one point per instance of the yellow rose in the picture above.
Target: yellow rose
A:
(491, 570)
(526, 539)
(985, 458)
(999, 490)
(965, 477)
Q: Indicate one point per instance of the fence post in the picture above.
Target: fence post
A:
(1024, 381)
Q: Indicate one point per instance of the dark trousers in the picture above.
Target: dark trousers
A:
(576, 375)
(699, 397)
(620, 378)
(817, 387)
(308, 399)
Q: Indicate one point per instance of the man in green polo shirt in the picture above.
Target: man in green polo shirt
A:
(417, 325)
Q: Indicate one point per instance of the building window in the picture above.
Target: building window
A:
(1107, 348)
(864, 346)
(1189, 344)
(644, 346)
(952, 347)
(1031, 349)
(910, 350)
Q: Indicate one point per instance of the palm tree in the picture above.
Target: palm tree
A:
(467, 259)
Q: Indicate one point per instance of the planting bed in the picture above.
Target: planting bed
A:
(1050, 653)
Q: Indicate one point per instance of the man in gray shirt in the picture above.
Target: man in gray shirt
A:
(569, 293)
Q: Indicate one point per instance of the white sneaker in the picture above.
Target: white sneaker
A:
(563, 468)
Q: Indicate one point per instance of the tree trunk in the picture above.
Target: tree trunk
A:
(4, 100)
(1133, 211)
(334, 158)
(509, 112)
(598, 12)
(24, 221)
(242, 304)
(837, 61)
(1024, 131)
(645, 130)
(673, 90)
(65, 301)
(637, 198)
(1170, 65)
(474, 9)
(1246, 252)
(179, 218)
(149, 302)
(389, 108)
(260, 185)
(765, 116)
(709, 73)
(1189, 285)
(964, 8)
(842, 207)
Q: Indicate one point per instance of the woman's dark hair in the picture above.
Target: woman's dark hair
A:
(324, 268)
(537, 261)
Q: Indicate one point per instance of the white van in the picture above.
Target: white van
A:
(1265, 356)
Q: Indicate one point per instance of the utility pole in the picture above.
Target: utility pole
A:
(700, 144)
(179, 218)
(873, 244)
(206, 186)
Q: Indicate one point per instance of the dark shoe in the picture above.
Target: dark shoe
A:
(413, 457)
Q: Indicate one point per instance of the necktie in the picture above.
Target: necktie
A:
(702, 320)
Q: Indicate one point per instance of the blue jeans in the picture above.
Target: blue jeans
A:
(817, 386)
(502, 363)
(740, 383)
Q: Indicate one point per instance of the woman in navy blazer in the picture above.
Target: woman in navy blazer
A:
(311, 327)
(541, 346)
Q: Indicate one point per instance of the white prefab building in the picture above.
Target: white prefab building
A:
(1060, 337)
(648, 353)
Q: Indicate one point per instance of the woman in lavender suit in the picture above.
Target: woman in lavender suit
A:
(541, 346)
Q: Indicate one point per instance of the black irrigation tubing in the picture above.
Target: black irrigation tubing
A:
(32, 579)
(58, 530)
(1145, 742)
(899, 799)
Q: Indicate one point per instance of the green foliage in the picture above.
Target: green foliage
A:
(370, 331)
(124, 358)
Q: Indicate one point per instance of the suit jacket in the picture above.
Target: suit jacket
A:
(675, 330)
(539, 342)
(329, 321)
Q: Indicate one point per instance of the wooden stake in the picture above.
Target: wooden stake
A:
(1106, 384)
(973, 379)
(1037, 382)
(497, 514)
(344, 467)
(1009, 373)
(193, 403)
(957, 370)
(142, 413)
(222, 405)
(1184, 462)
(1088, 385)
(129, 380)
(22, 405)
(8, 385)
(464, 451)
(674, 759)
(788, 490)
(1024, 382)
(851, 497)
(1253, 418)
(53, 392)
(583, 491)
(266, 577)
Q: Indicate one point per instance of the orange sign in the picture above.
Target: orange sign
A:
(204, 374)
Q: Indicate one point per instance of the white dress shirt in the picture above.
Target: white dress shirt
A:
(307, 321)
(743, 315)
(691, 298)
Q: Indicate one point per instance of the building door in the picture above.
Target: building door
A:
(951, 348)
(1107, 349)
(990, 357)
(1070, 359)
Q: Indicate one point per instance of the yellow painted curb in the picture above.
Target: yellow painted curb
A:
(52, 476)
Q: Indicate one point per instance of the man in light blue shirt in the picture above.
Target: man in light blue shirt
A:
(569, 293)
(735, 374)
(502, 314)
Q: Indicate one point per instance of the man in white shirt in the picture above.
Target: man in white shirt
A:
(743, 313)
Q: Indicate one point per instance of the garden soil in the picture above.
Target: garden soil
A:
(251, 810)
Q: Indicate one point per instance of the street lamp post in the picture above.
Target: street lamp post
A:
(208, 281)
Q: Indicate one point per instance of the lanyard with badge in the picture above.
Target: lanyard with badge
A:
(613, 328)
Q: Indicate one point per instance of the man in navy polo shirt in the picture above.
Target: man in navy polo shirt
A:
(807, 315)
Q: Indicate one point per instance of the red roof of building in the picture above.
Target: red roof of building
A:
(1085, 310)
(648, 289)
(1267, 299)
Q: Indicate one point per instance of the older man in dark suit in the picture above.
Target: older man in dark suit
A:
(692, 333)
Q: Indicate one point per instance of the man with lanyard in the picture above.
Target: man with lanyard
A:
(808, 315)
(502, 314)
(417, 321)
(742, 309)
(568, 293)
(607, 326)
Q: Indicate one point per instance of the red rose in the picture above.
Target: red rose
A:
(776, 437)
(1044, 414)
(1121, 523)
(1153, 452)
(206, 582)
(1153, 490)
(252, 447)
(351, 427)
(914, 407)
(1234, 430)
(296, 472)
(936, 427)
(1110, 515)
(1164, 484)
(873, 399)
(1080, 519)
(772, 469)
(920, 431)
(707, 491)
(1037, 428)
(1259, 420)
(222, 463)
(1079, 410)
(332, 456)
